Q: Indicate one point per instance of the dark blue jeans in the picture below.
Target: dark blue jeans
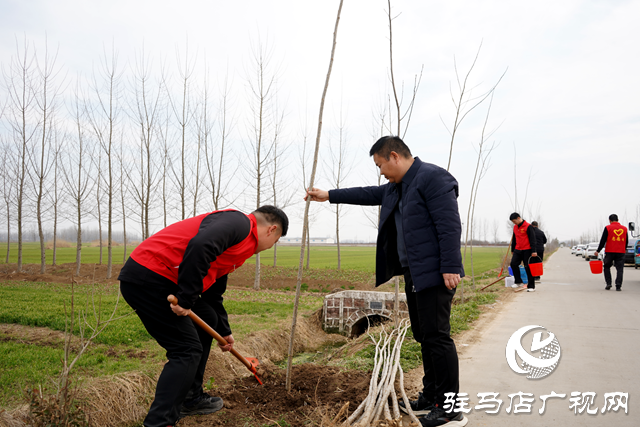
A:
(429, 312)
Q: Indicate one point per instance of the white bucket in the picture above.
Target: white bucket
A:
(509, 281)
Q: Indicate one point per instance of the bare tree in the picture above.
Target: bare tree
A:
(7, 190)
(495, 227)
(204, 125)
(482, 166)
(218, 189)
(281, 193)
(124, 190)
(76, 171)
(104, 119)
(183, 114)
(340, 166)
(306, 209)
(400, 116)
(305, 159)
(261, 81)
(23, 121)
(146, 110)
(98, 195)
(165, 165)
(465, 101)
(41, 158)
(56, 196)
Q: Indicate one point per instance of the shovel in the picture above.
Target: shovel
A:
(249, 362)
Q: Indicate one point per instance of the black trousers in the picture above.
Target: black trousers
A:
(429, 312)
(518, 257)
(618, 261)
(187, 347)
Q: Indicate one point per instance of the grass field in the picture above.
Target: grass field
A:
(43, 304)
(24, 363)
(360, 258)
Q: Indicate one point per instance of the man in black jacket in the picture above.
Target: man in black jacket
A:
(419, 237)
(541, 239)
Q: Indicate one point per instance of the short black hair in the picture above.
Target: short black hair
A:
(513, 216)
(534, 223)
(613, 217)
(385, 145)
(274, 216)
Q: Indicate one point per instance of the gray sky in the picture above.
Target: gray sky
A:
(568, 103)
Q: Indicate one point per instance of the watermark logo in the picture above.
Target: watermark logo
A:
(535, 367)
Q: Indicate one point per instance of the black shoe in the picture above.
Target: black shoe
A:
(618, 288)
(607, 287)
(202, 405)
(439, 417)
(420, 406)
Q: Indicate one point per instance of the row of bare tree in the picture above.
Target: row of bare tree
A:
(138, 147)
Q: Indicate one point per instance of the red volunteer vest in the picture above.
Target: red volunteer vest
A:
(616, 238)
(522, 239)
(163, 252)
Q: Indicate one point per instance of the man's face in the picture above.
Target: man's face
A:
(268, 235)
(389, 168)
(517, 221)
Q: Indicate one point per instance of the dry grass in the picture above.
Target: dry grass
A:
(117, 400)
(59, 244)
(121, 399)
(15, 417)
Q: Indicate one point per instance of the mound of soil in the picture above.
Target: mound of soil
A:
(316, 392)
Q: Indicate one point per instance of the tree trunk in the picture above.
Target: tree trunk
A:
(338, 234)
(79, 244)
(306, 209)
(275, 254)
(8, 233)
(308, 243)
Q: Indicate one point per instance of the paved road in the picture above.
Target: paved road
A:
(599, 336)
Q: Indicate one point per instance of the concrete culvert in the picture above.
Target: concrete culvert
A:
(361, 326)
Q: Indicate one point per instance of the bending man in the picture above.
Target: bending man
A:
(191, 260)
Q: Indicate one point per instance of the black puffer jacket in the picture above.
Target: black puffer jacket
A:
(431, 224)
(541, 239)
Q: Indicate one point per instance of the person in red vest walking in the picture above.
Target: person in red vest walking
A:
(523, 247)
(191, 260)
(614, 241)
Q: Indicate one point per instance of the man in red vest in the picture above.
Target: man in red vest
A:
(523, 247)
(614, 240)
(191, 260)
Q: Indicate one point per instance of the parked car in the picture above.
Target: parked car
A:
(590, 251)
(580, 250)
(630, 255)
(573, 249)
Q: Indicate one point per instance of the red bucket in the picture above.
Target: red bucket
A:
(596, 266)
(535, 267)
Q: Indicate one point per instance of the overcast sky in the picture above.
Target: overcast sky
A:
(568, 106)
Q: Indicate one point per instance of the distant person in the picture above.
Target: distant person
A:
(541, 239)
(614, 241)
(523, 247)
(191, 260)
(419, 237)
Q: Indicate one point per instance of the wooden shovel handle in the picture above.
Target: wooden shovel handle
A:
(174, 301)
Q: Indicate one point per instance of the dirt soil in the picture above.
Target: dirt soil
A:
(276, 278)
(316, 392)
